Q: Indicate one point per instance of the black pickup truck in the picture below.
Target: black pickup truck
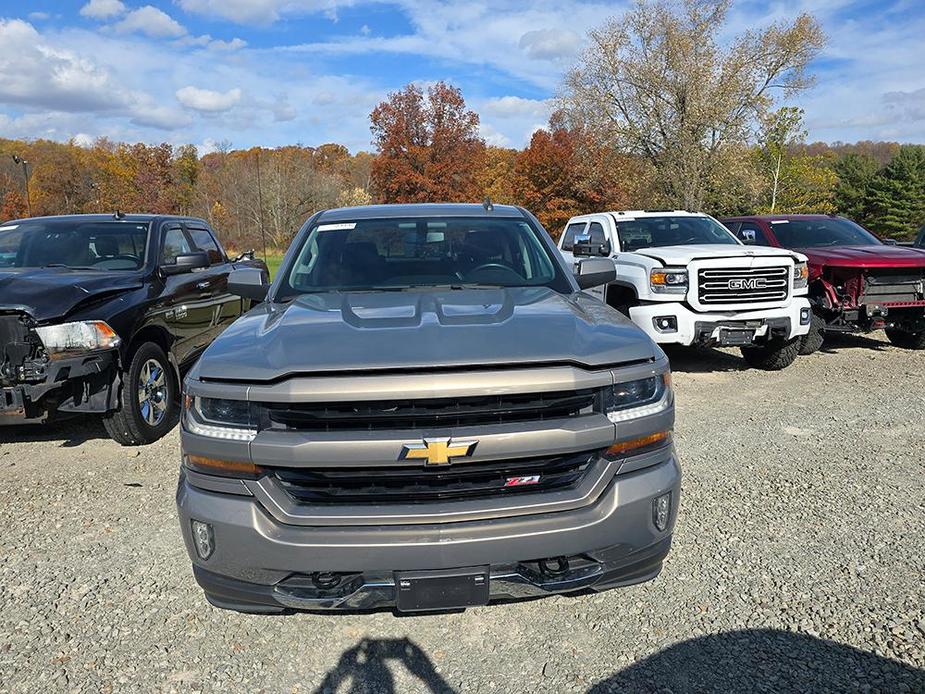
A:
(103, 313)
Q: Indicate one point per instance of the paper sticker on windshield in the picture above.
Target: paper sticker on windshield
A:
(9, 227)
(780, 221)
(337, 227)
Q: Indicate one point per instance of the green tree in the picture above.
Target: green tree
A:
(897, 194)
(855, 171)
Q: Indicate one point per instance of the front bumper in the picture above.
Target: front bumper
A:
(721, 328)
(82, 384)
(261, 564)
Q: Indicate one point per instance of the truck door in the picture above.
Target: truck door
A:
(223, 307)
(179, 307)
(596, 235)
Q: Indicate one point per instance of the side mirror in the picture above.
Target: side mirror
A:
(249, 283)
(594, 272)
(585, 247)
(890, 242)
(186, 263)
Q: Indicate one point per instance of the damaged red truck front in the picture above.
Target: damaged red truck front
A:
(857, 283)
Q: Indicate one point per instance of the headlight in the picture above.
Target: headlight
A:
(639, 398)
(669, 280)
(220, 418)
(74, 338)
(800, 276)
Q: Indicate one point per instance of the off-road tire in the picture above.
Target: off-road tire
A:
(772, 356)
(126, 425)
(905, 339)
(812, 341)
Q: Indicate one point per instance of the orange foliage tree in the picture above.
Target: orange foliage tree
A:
(429, 146)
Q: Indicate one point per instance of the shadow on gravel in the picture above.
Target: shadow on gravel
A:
(73, 431)
(703, 360)
(763, 660)
(365, 668)
(834, 342)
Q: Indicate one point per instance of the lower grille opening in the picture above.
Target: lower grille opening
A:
(394, 483)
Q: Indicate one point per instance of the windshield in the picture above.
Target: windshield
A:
(421, 252)
(653, 232)
(831, 231)
(83, 245)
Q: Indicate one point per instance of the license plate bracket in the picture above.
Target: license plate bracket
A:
(735, 338)
(448, 589)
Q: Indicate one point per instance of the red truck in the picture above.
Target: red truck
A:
(857, 283)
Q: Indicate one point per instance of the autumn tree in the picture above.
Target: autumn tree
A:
(660, 84)
(429, 149)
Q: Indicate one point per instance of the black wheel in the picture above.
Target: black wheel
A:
(772, 356)
(812, 341)
(906, 339)
(149, 399)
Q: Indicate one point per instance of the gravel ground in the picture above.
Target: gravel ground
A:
(799, 564)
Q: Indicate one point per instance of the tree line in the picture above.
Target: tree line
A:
(656, 113)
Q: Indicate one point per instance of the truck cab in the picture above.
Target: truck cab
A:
(685, 279)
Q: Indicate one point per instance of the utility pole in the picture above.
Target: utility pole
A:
(263, 230)
(25, 177)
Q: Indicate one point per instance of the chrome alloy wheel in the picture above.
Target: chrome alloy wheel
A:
(152, 392)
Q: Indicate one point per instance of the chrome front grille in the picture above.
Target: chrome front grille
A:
(743, 285)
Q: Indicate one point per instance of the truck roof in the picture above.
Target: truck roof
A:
(108, 217)
(636, 214)
(440, 209)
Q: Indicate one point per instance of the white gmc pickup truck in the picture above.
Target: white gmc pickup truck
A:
(685, 279)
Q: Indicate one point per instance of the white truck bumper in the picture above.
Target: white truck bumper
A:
(675, 323)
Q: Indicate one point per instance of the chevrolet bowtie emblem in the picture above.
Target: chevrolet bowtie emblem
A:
(437, 451)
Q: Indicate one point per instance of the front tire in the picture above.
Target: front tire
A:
(772, 356)
(812, 341)
(150, 402)
(906, 339)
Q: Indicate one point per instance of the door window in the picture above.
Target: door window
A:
(205, 242)
(175, 243)
(752, 235)
(568, 238)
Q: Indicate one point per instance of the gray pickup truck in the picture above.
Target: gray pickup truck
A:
(425, 413)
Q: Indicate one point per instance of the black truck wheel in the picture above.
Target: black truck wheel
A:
(149, 399)
(774, 355)
(812, 341)
(906, 339)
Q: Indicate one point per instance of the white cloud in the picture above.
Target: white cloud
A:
(258, 11)
(39, 16)
(550, 44)
(151, 21)
(282, 110)
(206, 41)
(518, 106)
(208, 100)
(82, 140)
(102, 9)
(492, 136)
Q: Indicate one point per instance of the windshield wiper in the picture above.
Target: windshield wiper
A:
(68, 267)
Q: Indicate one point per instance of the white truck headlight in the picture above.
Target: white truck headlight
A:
(800, 275)
(220, 418)
(669, 280)
(77, 337)
(639, 398)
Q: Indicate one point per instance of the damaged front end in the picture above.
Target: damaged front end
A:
(873, 299)
(37, 382)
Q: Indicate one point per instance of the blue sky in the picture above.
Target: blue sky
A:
(273, 72)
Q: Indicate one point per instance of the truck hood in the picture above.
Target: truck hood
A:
(682, 255)
(50, 293)
(881, 256)
(337, 332)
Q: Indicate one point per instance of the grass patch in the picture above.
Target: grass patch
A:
(273, 262)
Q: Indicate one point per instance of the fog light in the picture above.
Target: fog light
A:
(203, 539)
(661, 511)
(805, 315)
(666, 324)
